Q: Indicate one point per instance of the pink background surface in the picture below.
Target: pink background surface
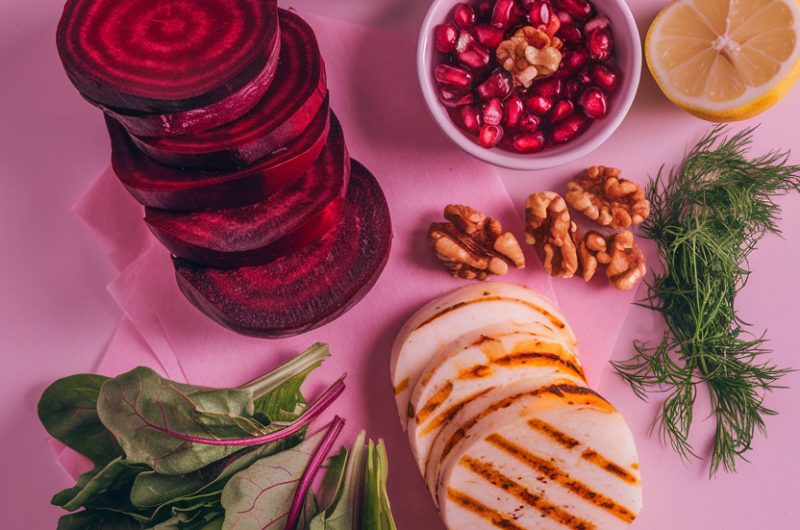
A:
(57, 317)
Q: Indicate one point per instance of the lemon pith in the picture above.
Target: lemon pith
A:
(725, 60)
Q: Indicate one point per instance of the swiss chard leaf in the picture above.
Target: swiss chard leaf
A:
(280, 398)
(68, 411)
(344, 511)
(376, 512)
(93, 485)
(144, 411)
(98, 520)
(262, 494)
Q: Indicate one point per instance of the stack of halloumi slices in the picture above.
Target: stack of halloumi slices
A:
(501, 422)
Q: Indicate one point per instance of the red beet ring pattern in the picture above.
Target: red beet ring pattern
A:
(199, 120)
(257, 234)
(309, 288)
(159, 186)
(284, 112)
(164, 56)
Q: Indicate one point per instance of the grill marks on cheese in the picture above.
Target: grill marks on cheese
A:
(557, 322)
(611, 467)
(450, 413)
(561, 389)
(525, 354)
(492, 475)
(548, 469)
(481, 510)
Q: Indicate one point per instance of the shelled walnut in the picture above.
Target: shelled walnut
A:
(549, 229)
(529, 54)
(601, 195)
(473, 245)
(627, 264)
(592, 250)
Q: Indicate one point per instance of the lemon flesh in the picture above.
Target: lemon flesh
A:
(725, 60)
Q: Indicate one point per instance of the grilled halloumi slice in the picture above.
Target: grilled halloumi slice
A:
(558, 457)
(477, 362)
(443, 320)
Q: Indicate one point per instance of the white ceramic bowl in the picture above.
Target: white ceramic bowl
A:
(628, 56)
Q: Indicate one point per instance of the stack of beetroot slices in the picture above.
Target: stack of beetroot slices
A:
(219, 119)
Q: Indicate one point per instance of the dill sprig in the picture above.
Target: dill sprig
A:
(706, 218)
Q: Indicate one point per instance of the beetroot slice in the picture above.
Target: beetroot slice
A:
(262, 232)
(284, 112)
(309, 288)
(199, 120)
(167, 55)
(159, 186)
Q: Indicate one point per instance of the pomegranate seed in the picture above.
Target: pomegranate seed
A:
(464, 42)
(561, 110)
(576, 58)
(505, 14)
(576, 8)
(570, 127)
(530, 143)
(464, 16)
(553, 26)
(489, 36)
(490, 136)
(571, 89)
(540, 12)
(514, 111)
(550, 87)
(493, 112)
(477, 57)
(485, 11)
(593, 102)
(471, 115)
(606, 77)
(583, 77)
(600, 44)
(564, 17)
(530, 123)
(595, 24)
(570, 33)
(539, 104)
(445, 38)
(451, 75)
(450, 98)
(499, 84)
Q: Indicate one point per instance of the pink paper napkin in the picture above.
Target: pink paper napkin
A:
(374, 93)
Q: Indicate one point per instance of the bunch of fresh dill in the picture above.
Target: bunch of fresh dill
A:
(706, 219)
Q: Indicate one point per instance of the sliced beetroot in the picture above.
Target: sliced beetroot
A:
(309, 288)
(282, 114)
(198, 120)
(257, 234)
(164, 56)
(159, 186)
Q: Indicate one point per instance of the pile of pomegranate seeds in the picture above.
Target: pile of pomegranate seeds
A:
(481, 95)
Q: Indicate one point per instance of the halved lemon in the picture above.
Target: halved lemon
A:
(725, 60)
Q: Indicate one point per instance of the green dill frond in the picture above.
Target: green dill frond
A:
(707, 216)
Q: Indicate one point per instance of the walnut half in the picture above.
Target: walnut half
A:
(601, 195)
(473, 245)
(529, 54)
(627, 264)
(549, 229)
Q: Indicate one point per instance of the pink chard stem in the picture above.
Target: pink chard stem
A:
(335, 427)
(314, 410)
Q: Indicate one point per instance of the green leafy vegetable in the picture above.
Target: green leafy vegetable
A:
(345, 509)
(97, 520)
(260, 496)
(355, 489)
(114, 475)
(377, 514)
(68, 411)
(706, 219)
(145, 411)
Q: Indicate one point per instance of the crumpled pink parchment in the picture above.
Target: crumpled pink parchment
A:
(373, 88)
